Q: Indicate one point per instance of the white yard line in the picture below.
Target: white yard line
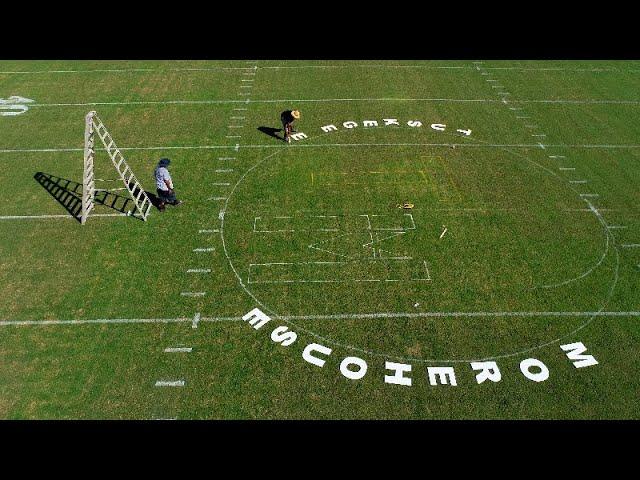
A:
(341, 316)
(69, 216)
(336, 100)
(328, 145)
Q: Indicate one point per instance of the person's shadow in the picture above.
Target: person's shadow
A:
(272, 132)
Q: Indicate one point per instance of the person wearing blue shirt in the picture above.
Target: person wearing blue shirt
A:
(164, 185)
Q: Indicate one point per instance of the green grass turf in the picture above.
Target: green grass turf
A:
(520, 238)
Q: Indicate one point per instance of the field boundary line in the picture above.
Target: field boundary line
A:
(339, 316)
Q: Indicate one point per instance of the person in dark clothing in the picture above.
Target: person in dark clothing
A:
(287, 117)
(164, 185)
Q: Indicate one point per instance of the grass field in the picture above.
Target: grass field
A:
(524, 237)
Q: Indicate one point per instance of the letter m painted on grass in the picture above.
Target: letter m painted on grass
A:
(575, 353)
(256, 318)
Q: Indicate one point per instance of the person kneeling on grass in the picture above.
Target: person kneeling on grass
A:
(164, 185)
(287, 117)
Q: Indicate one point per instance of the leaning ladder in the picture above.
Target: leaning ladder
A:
(94, 125)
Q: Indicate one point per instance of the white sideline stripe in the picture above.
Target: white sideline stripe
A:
(207, 249)
(27, 217)
(170, 383)
(199, 270)
(326, 145)
(344, 316)
(178, 349)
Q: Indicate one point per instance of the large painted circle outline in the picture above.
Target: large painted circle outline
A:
(329, 341)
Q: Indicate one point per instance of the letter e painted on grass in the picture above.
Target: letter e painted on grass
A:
(370, 123)
(256, 318)
(329, 128)
(488, 371)
(575, 353)
(299, 136)
(350, 374)
(442, 375)
(315, 347)
(398, 377)
(350, 124)
(464, 132)
(391, 121)
(525, 368)
(281, 335)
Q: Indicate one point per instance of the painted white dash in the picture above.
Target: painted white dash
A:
(616, 226)
(238, 118)
(199, 270)
(217, 198)
(235, 126)
(577, 181)
(589, 195)
(522, 116)
(196, 319)
(209, 231)
(193, 294)
(557, 156)
(170, 383)
(567, 168)
(234, 136)
(226, 158)
(630, 245)
(223, 184)
(538, 135)
(240, 109)
(178, 349)
(515, 108)
(204, 249)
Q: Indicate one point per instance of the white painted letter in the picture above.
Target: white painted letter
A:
(391, 121)
(298, 136)
(314, 347)
(414, 123)
(466, 132)
(398, 377)
(362, 368)
(444, 374)
(349, 124)
(280, 335)
(525, 368)
(489, 371)
(438, 126)
(370, 123)
(256, 318)
(576, 351)
(329, 128)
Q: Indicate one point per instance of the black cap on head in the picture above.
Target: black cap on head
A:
(164, 162)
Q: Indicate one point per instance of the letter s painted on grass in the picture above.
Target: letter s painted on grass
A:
(283, 336)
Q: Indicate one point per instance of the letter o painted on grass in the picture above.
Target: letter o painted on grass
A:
(350, 374)
(525, 368)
